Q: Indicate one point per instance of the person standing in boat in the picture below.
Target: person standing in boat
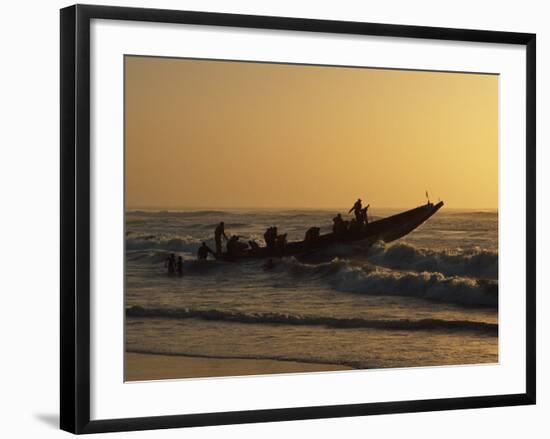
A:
(270, 236)
(364, 214)
(218, 233)
(356, 209)
(202, 252)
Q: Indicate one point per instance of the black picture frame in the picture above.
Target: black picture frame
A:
(75, 217)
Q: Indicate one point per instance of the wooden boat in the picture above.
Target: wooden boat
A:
(385, 229)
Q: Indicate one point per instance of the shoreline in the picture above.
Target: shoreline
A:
(147, 367)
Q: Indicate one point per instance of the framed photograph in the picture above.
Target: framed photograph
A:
(268, 218)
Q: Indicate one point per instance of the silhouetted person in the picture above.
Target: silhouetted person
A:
(218, 233)
(281, 244)
(312, 236)
(354, 227)
(179, 266)
(356, 209)
(337, 220)
(235, 247)
(202, 252)
(339, 227)
(270, 236)
(364, 214)
(170, 263)
(254, 247)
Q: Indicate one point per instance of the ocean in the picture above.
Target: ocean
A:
(428, 299)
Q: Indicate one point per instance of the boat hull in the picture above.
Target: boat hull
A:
(386, 229)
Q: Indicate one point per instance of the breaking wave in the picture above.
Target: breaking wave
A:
(351, 277)
(477, 262)
(345, 275)
(330, 322)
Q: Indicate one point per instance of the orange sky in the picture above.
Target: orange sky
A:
(234, 134)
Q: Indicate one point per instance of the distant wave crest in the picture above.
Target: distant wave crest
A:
(298, 320)
(176, 213)
(166, 242)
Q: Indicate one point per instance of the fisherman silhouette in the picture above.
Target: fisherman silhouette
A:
(356, 209)
(236, 247)
(254, 247)
(312, 236)
(179, 266)
(339, 226)
(202, 252)
(270, 236)
(218, 233)
(336, 220)
(364, 214)
(170, 263)
(281, 244)
(354, 227)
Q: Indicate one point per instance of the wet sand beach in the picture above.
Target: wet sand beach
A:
(144, 367)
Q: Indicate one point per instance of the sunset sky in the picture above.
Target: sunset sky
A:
(234, 134)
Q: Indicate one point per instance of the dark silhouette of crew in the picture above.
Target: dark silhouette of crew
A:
(235, 247)
(179, 266)
(339, 227)
(231, 245)
(337, 220)
(356, 209)
(170, 263)
(218, 234)
(364, 214)
(254, 247)
(312, 237)
(354, 227)
(202, 252)
(270, 237)
(281, 244)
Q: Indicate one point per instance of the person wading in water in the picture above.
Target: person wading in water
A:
(179, 266)
(202, 252)
(170, 263)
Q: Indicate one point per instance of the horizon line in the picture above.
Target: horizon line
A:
(209, 207)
